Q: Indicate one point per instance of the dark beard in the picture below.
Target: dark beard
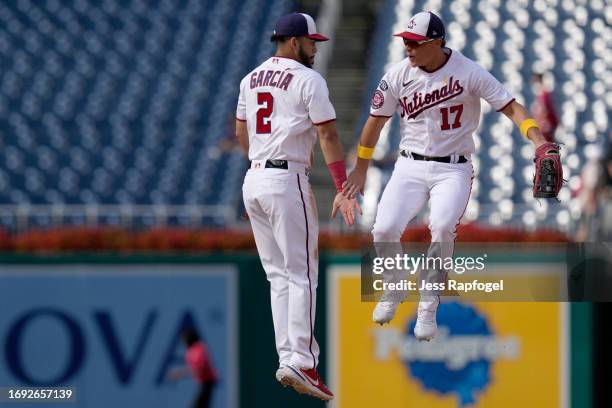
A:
(304, 59)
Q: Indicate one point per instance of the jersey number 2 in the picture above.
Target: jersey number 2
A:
(457, 110)
(265, 101)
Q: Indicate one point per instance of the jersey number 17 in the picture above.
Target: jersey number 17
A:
(265, 101)
(457, 110)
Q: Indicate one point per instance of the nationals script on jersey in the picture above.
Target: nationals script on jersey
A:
(440, 110)
(281, 101)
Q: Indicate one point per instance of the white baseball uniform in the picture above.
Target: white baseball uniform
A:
(281, 101)
(439, 111)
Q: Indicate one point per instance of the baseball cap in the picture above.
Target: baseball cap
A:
(423, 26)
(297, 25)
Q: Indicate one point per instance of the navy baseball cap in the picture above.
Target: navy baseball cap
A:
(297, 25)
(423, 26)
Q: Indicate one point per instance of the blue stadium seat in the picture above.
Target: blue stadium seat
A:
(124, 102)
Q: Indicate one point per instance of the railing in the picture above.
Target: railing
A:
(24, 216)
(21, 217)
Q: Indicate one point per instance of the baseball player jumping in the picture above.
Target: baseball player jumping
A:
(283, 105)
(436, 91)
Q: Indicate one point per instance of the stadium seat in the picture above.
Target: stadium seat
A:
(124, 103)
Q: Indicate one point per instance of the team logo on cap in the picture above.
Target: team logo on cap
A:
(411, 24)
(378, 99)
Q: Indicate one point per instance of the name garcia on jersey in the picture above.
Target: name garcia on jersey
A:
(277, 79)
(421, 102)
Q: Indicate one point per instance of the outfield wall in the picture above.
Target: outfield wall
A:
(108, 326)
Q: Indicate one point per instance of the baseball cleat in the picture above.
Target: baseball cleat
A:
(384, 312)
(304, 381)
(283, 377)
(279, 375)
(386, 307)
(425, 328)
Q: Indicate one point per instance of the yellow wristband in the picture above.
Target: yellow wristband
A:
(365, 152)
(528, 124)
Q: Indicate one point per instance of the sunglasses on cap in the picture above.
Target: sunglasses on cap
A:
(415, 43)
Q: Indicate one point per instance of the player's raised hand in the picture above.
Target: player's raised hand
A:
(354, 183)
(347, 208)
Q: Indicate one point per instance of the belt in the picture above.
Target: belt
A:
(441, 159)
(276, 164)
(279, 164)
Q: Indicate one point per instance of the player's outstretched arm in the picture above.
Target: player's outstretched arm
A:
(369, 137)
(332, 152)
(334, 157)
(330, 142)
(518, 114)
(242, 135)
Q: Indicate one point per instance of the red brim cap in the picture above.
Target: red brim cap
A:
(411, 36)
(318, 37)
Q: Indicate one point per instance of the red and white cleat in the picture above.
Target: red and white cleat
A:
(304, 381)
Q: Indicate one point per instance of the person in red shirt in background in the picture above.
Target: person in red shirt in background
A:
(543, 108)
(199, 366)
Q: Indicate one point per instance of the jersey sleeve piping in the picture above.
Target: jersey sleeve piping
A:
(324, 122)
(506, 105)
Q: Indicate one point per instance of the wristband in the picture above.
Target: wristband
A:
(365, 152)
(528, 124)
(338, 173)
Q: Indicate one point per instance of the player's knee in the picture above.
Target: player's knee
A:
(443, 230)
(386, 232)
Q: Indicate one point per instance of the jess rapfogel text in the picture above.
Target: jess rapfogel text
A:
(452, 284)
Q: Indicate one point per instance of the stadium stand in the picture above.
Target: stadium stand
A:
(119, 111)
(115, 111)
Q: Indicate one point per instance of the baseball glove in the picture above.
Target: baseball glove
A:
(548, 171)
